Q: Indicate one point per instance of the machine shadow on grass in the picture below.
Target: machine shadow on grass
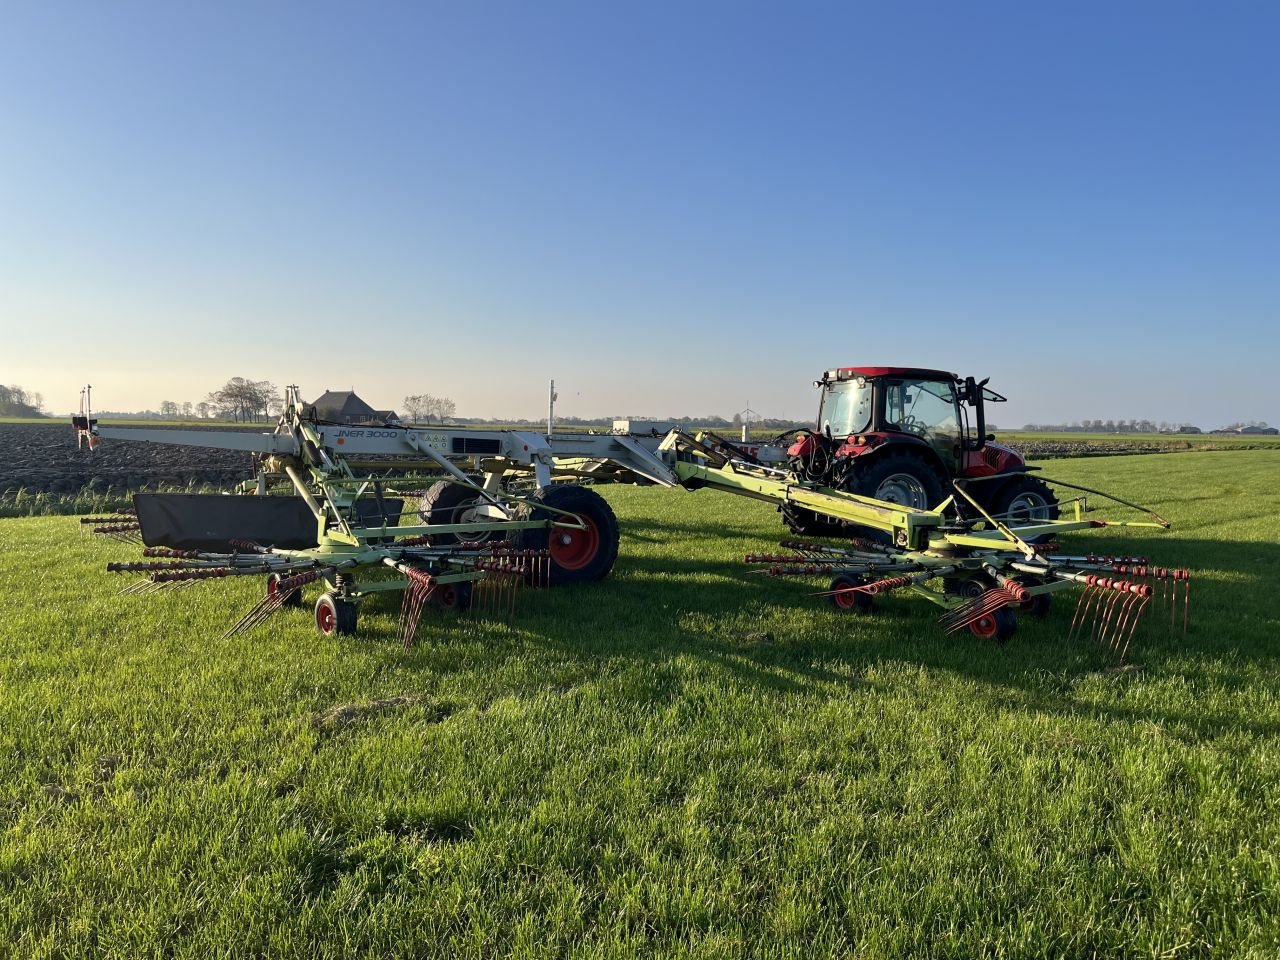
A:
(773, 634)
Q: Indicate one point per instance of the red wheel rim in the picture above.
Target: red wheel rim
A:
(985, 627)
(273, 585)
(573, 549)
(447, 596)
(325, 618)
(846, 599)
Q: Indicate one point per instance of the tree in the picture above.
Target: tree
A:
(186, 409)
(424, 406)
(16, 402)
(168, 409)
(244, 400)
(202, 409)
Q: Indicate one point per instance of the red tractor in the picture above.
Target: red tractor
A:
(902, 434)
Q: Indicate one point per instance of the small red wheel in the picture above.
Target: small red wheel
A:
(452, 596)
(847, 600)
(335, 615)
(998, 626)
(294, 599)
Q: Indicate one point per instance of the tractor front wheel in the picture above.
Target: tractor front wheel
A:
(578, 554)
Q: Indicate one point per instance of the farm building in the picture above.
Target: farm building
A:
(343, 406)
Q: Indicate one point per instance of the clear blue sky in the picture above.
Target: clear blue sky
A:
(669, 207)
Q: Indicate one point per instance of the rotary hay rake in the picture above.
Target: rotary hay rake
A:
(485, 579)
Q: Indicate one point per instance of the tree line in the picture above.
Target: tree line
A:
(17, 402)
(1112, 426)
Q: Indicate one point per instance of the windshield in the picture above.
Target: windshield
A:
(846, 408)
(926, 408)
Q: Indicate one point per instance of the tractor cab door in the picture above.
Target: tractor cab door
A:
(928, 409)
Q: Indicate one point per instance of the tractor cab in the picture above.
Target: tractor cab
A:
(864, 407)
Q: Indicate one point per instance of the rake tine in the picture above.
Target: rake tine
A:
(1133, 629)
(1186, 604)
(1127, 604)
(1107, 616)
(1090, 614)
(1080, 604)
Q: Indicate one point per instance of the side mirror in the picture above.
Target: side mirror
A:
(989, 436)
(970, 391)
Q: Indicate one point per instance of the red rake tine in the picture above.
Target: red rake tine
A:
(1080, 604)
(1133, 629)
(1121, 618)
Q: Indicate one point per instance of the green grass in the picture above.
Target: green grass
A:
(683, 760)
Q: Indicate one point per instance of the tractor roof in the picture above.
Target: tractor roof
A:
(845, 373)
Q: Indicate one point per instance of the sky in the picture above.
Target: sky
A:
(670, 208)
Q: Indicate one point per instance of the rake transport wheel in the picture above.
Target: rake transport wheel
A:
(577, 556)
(294, 599)
(850, 601)
(998, 626)
(452, 503)
(335, 615)
(1025, 500)
(452, 596)
(1037, 606)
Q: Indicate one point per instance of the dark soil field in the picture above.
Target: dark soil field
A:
(42, 458)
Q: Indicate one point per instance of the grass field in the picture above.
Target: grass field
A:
(682, 760)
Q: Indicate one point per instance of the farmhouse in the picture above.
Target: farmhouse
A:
(343, 406)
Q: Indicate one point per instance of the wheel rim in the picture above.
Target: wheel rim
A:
(846, 599)
(573, 549)
(1028, 508)
(985, 627)
(465, 512)
(326, 618)
(904, 490)
(447, 596)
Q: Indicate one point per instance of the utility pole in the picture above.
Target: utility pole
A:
(552, 396)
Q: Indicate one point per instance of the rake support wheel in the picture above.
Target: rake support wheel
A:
(335, 615)
(577, 556)
(997, 626)
(452, 596)
(850, 601)
(294, 599)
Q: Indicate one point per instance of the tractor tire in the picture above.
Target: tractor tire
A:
(900, 478)
(577, 556)
(1026, 500)
(335, 615)
(447, 502)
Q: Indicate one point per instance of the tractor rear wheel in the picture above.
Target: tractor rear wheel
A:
(900, 478)
(447, 502)
(806, 523)
(1024, 500)
(577, 555)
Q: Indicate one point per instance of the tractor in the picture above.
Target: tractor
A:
(902, 434)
